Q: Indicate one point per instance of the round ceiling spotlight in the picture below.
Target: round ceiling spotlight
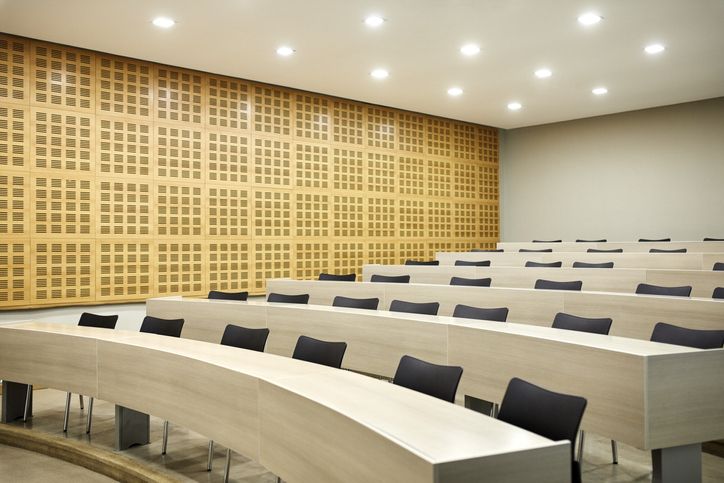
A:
(164, 22)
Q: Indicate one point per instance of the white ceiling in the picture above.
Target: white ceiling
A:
(419, 44)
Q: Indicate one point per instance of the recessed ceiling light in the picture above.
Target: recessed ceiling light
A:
(543, 73)
(379, 73)
(589, 18)
(654, 49)
(285, 51)
(164, 22)
(469, 49)
(374, 21)
(514, 106)
(599, 91)
(455, 91)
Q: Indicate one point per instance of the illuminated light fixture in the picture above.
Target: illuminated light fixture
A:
(589, 18)
(469, 49)
(543, 73)
(374, 21)
(379, 74)
(455, 91)
(654, 49)
(164, 22)
(515, 106)
(599, 91)
(285, 51)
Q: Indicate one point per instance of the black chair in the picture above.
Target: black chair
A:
(646, 289)
(603, 240)
(713, 239)
(466, 263)
(421, 262)
(479, 250)
(426, 308)
(660, 250)
(467, 312)
(549, 414)
(288, 299)
(169, 328)
(654, 240)
(700, 339)
(553, 285)
(718, 293)
(319, 351)
(528, 250)
(582, 324)
(592, 265)
(543, 264)
(347, 277)
(432, 379)
(390, 278)
(369, 304)
(471, 282)
(240, 296)
(547, 241)
(718, 267)
(86, 320)
(598, 250)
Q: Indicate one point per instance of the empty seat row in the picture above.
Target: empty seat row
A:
(640, 240)
(602, 250)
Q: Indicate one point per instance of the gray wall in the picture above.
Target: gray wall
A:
(650, 173)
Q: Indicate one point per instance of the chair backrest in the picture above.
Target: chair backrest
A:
(94, 320)
(169, 327)
(599, 250)
(427, 308)
(713, 239)
(654, 239)
(530, 264)
(592, 265)
(530, 250)
(646, 289)
(467, 263)
(478, 250)
(718, 267)
(216, 295)
(718, 293)
(549, 414)
(319, 351)
(499, 314)
(701, 339)
(369, 304)
(432, 379)
(661, 250)
(547, 241)
(575, 285)
(422, 262)
(347, 277)
(244, 338)
(390, 278)
(471, 282)
(603, 240)
(582, 324)
(288, 299)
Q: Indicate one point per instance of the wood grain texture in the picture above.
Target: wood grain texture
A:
(691, 246)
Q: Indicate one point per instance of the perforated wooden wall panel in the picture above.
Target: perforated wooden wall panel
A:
(122, 179)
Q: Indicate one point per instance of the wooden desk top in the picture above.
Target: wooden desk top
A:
(632, 246)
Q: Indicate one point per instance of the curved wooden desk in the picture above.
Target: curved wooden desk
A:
(641, 247)
(302, 421)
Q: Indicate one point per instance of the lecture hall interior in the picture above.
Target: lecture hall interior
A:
(362, 241)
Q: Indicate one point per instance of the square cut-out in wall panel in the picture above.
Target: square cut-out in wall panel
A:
(63, 140)
(413, 222)
(179, 153)
(227, 103)
(180, 268)
(347, 257)
(62, 206)
(124, 269)
(312, 258)
(179, 210)
(179, 95)
(488, 220)
(439, 219)
(311, 166)
(439, 178)
(411, 176)
(466, 142)
(228, 211)
(413, 250)
(227, 157)
(272, 213)
(63, 271)
(14, 69)
(488, 189)
(465, 219)
(272, 162)
(272, 111)
(14, 207)
(15, 272)
(348, 216)
(490, 144)
(467, 179)
(381, 175)
(124, 147)
(272, 259)
(348, 170)
(439, 137)
(124, 87)
(62, 77)
(348, 121)
(312, 215)
(381, 217)
(124, 208)
(382, 253)
(312, 117)
(14, 137)
(412, 132)
(229, 267)
(381, 128)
